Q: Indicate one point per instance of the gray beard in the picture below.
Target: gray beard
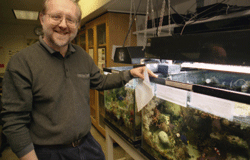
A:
(57, 44)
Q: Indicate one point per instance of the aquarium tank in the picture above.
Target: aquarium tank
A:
(200, 115)
(121, 111)
(197, 129)
(171, 131)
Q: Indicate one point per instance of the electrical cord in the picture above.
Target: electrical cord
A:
(173, 19)
(199, 14)
(157, 22)
(131, 24)
(184, 18)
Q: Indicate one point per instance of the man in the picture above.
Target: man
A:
(46, 86)
(213, 53)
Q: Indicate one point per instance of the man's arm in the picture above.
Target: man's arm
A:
(17, 106)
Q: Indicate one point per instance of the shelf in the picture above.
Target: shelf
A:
(112, 136)
(102, 45)
(164, 29)
(102, 114)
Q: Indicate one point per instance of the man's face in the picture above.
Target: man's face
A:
(60, 23)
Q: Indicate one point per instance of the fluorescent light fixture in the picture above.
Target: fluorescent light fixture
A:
(26, 15)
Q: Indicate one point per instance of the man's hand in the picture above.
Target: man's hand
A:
(139, 72)
(30, 156)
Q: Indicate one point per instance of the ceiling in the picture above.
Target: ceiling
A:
(7, 6)
(123, 6)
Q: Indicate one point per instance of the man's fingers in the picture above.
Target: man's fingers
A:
(152, 73)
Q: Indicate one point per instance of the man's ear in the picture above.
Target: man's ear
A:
(41, 18)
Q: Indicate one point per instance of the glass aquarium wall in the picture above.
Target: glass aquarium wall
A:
(225, 80)
(194, 115)
(121, 112)
(172, 131)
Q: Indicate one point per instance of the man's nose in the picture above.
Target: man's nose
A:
(63, 23)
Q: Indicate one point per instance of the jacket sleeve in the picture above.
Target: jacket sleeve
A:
(102, 82)
(17, 106)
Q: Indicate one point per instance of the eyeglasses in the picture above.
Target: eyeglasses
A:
(58, 18)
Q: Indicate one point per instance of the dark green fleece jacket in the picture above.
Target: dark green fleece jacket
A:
(46, 96)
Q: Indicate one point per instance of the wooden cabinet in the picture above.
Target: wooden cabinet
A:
(82, 39)
(98, 37)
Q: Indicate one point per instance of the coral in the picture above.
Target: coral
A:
(155, 139)
(231, 157)
(181, 153)
(216, 124)
(237, 141)
(148, 137)
(148, 112)
(163, 136)
(225, 122)
(165, 119)
(164, 127)
(216, 135)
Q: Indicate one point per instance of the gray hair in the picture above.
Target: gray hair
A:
(45, 4)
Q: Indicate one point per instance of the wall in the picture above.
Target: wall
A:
(185, 7)
(13, 38)
(89, 6)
